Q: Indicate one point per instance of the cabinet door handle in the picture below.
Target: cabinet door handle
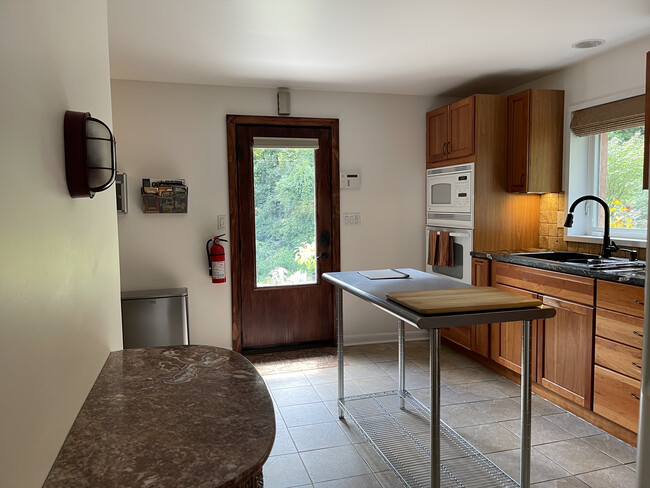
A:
(634, 364)
(637, 301)
(636, 333)
(634, 396)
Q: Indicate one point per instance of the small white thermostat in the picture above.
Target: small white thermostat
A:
(350, 180)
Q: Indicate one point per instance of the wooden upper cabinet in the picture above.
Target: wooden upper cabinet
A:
(535, 127)
(450, 131)
(437, 134)
(461, 128)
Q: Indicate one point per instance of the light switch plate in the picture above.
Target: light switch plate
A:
(352, 219)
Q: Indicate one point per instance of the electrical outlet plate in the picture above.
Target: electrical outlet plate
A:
(352, 219)
(221, 222)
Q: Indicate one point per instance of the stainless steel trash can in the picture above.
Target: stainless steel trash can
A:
(153, 318)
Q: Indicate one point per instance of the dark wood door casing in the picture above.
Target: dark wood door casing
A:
(236, 219)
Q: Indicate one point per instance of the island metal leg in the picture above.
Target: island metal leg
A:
(339, 348)
(434, 425)
(400, 362)
(524, 466)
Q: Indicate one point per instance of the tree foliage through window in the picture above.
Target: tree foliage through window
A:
(285, 221)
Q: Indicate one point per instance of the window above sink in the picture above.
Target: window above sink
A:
(606, 159)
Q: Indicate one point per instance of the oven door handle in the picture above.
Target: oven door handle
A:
(459, 234)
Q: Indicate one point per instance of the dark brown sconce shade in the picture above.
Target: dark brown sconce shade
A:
(89, 154)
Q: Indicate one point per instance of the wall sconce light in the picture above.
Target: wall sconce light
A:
(89, 154)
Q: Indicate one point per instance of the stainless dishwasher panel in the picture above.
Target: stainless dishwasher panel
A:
(153, 318)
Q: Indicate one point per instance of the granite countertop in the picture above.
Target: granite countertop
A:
(181, 416)
(631, 277)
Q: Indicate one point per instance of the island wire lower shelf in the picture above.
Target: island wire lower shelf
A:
(401, 436)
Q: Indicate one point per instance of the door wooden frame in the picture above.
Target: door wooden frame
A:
(232, 122)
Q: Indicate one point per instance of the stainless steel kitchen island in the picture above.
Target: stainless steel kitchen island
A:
(392, 421)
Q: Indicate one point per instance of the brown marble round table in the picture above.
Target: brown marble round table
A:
(187, 416)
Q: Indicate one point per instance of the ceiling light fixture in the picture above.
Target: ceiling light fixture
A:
(588, 43)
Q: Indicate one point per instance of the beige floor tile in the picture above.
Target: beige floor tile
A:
(610, 445)
(309, 413)
(541, 467)
(477, 392)
(573, 424)
(458, 376)
(500, 409)
(295, 396)
(334, 463)
(542, 431)
(318, 436)
(286, 380)
(463, 415)
(283, 443)
(540, 406)
(363, 481)
(576, 456)
(616, 477)
(571, 482)
(376, 385)
(285, 471)
(489, 438)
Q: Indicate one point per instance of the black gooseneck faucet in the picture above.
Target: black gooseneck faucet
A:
(608, 245)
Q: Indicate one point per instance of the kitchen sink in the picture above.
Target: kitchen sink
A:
(583, 260)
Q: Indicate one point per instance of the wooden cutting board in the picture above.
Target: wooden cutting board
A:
(453, 300)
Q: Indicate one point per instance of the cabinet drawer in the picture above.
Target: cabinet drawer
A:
(620, 297)
(573, 288)
(619, 327)
(613, 398)
(618, 357)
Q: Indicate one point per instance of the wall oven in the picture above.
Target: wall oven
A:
(450, 196)
(463, 240)
(450, 208)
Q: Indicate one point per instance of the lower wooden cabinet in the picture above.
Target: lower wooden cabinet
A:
(475, 338)
(616, 397)
(505, 340)
(567, 350)
(562, 351)
(618, 352)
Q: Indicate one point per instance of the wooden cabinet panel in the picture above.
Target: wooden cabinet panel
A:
(450, 131)
(505, 340)
(460, 335)
(620, 297)
(481, 333)
(535, 132)
(461, 128)
(618, 357)
(437, 134)
(616, 397)
(573, 288)
(567, 358)
(518, 138)
(620, 327)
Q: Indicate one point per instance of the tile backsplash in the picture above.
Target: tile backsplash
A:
(551, 228)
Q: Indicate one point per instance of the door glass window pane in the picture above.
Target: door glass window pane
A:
(285, 216)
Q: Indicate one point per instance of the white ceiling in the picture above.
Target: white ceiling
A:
(416, 47)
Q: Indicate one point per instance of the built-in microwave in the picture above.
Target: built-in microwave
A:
(450, 196)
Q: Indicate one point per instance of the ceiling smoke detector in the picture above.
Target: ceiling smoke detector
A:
(588, 43)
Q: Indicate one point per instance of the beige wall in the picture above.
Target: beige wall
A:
(59, 284)
(179, 131)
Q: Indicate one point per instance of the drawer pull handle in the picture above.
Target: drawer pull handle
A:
(634, 364)
(634, 396)
(636, 333)
(637, 301)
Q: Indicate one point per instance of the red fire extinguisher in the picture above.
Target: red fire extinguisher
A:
(216, 259)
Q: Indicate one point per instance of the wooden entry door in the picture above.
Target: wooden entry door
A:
(284, 216)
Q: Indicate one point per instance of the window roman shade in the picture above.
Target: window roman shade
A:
(621, 114)
(284, 143)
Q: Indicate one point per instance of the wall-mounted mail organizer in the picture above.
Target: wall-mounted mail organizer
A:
(164, 196)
